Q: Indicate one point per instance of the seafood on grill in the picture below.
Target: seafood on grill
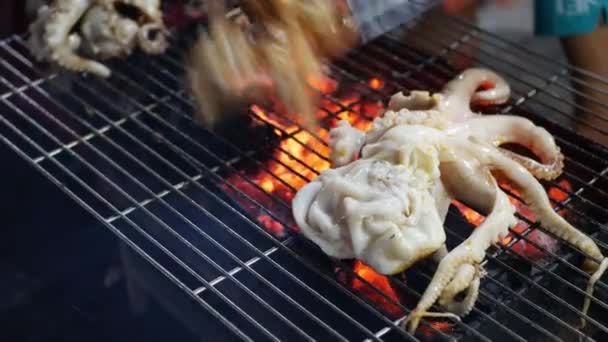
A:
(484, 87)
(387, 194)
(74, 33)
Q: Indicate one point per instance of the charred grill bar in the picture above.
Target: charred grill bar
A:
(210, 211)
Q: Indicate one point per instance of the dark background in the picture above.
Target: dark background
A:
(12, 17)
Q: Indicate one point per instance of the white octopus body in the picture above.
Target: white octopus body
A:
(431, 149)
(386, 208)
(103, 33)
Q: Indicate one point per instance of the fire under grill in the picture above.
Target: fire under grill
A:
(211, 210)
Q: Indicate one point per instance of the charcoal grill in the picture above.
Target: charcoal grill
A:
(191, 206)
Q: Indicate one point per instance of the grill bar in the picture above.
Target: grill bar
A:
(518, 102)
(572, 176)
(531, 93)
(200, 253)
(598, 175)
(526, 52)
(101, 219)
(533, 283)
(152, 110)
(234, 271)
(404, 285)
(578, 192)
(102, 114)
(10, 93)
(108, 181)
(455, 31)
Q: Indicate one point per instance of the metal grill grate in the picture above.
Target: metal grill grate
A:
(185, 199)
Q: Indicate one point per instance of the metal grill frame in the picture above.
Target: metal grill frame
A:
(458, 33)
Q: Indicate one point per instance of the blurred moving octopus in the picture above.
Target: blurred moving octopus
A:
(387, 194)
(272, 49)
(68, 30)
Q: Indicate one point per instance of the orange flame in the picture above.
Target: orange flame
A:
(437, 325)
(370, 288)
(376, 83)
(301, 155)
(323, 84)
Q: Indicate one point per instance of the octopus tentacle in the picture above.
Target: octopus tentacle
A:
(534, 195)
(446, 270)
(459, 283)
(471, 251)
(462, 179)
(345, 143)
(546, 171)
(595, 277)
(500, 129)
(465, 307)
(463, 90)
(57, 33)
(37, 30)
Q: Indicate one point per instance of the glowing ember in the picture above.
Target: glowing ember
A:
(522, 247)
(469, 214)
(323, 84)
(437, 325)
(270, 224)
(376, 83)
(375, 283)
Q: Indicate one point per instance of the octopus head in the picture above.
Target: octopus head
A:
(377, 211)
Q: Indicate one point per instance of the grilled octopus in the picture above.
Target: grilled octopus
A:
(68, 30)
(389, 189)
